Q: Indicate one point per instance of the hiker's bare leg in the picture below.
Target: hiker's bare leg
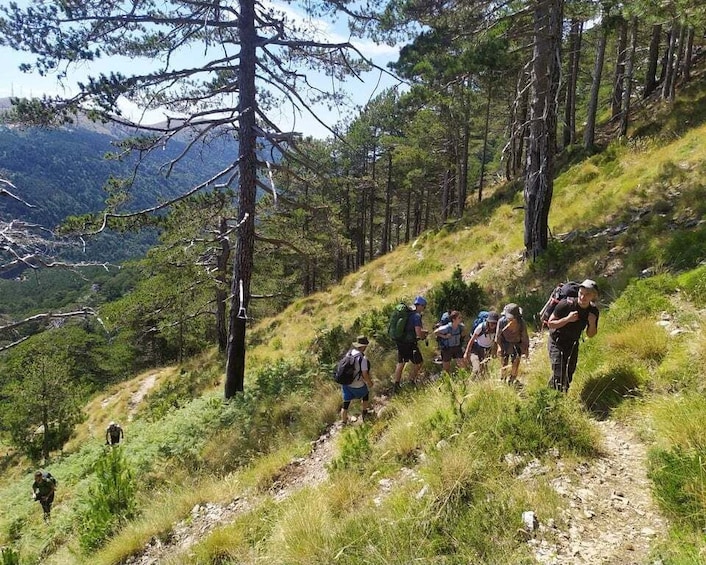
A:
(398, 372)
(515, 370)
(413, 372)
(344, 415)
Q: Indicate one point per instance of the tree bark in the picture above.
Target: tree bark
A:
(589, 134)
(689, 54)
(542, 129)
(652, 60)
(386, 224)
(247, 183)
(486, 128)
(625, 117)
(575, 36)
(677, 63)
(619, 75)
(668, 66)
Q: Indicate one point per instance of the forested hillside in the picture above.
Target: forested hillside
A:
(64, 171)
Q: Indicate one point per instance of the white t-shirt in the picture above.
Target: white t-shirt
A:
(362, 364)
(483, 339)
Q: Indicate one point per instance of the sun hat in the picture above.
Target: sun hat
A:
(420, 301)
(512, 311)
(492, 317)
(361, 341)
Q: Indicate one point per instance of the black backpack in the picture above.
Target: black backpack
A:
(48, 476)
(562, 291)
(346, 370)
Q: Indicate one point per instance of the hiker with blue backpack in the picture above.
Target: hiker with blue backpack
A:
(512, 340)
(353, 374)
(450, 336)
(569, 317)
(481, 346)
(407, 330)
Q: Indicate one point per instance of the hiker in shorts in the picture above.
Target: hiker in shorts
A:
(407, 347)
(43, 492)
(113, 434)
(451, 335)
(481, 347)
(512, 340)
(362, 383)
(568, 320)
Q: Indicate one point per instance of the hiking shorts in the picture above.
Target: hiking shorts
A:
(408, 351)
(448, 353)
(510, 351)
(353, 392)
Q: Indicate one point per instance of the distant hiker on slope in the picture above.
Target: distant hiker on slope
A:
(361, 384)
(43, 489)
(407, 348)
(512, 340)
(113, 434)
(450, 337)
(567, 322)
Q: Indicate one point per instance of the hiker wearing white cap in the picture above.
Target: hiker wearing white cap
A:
(566, 324)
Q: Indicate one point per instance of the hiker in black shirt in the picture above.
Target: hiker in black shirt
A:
(113, 434)
(568, 320)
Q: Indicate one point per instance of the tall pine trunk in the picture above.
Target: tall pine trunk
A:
(668, 65)
(616, 101)
(652, 61)
(247, 183)
(589, 134)
(627, 93)
(539, 175)
(688, 55)
(575, 36)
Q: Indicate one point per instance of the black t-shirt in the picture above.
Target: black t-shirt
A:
(571, 332)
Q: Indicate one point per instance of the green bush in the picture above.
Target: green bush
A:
(547, 419)
(679, 478)
(454, 294)
(9, 556)
(355, 449)
(109, 502)
(686, 249)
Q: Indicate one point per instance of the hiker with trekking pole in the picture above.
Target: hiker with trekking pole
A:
(566, 324)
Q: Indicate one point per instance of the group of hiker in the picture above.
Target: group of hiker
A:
(44, 485)
(570, 310)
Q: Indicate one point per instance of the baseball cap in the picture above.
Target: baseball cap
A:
(589, 284)
(420, 301)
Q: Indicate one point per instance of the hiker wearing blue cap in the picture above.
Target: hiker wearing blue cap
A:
(568, 320)
(407, 345)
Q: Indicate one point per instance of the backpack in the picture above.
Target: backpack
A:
(48, 476)
(480, 319)
(568, 289)
(398, 321)
(345, 371)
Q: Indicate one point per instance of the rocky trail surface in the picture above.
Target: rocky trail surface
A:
(609, 515)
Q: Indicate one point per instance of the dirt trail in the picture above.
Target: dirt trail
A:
(306, 471)
(610, 516)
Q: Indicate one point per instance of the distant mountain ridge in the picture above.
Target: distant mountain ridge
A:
(62, 171)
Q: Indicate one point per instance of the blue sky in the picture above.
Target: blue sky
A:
(16, 83)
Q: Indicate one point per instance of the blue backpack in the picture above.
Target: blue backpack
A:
(480, 319)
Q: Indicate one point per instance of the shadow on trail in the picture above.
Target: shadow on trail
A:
(605, 391)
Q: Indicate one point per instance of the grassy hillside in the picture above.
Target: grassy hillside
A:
(631, 216)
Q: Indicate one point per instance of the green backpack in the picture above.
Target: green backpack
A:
(398, 321)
